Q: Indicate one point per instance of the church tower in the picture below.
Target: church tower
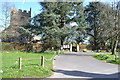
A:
(20, 17)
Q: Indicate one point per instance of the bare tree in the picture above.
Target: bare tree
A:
(116, 27)
(6, 10)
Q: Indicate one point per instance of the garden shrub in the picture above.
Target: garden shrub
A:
(108, 58)
(101, 57)
(17, 47)
(118, 50)
(8, 47)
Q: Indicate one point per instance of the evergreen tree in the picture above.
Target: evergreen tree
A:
(98, 22)
(55, 17)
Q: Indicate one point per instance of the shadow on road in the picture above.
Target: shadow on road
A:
(86, 74)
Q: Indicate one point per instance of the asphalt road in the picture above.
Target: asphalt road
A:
(82, 65)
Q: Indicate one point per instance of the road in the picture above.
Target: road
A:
(82, 65)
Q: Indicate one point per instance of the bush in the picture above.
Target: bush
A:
(108, 58)
(16, 47)
(8, 47)
(111, 61)
(118, 50)
(117, 61)
(101, 57)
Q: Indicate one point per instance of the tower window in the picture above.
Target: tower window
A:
(22, 18)
(14, 18)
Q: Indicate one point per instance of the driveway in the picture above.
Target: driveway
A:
(82, 65)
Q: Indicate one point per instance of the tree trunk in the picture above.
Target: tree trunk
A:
(95, 45)
(111, 45)
(62, 42)
(61, 22)
(95, 35)
(114, 46)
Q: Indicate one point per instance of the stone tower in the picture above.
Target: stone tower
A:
(20, 17)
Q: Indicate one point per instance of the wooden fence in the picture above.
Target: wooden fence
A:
(41, 59)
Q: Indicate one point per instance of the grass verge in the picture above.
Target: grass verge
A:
(108, 58)
(30, 68)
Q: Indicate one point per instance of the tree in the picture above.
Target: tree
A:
(54, 19)
(93, 18)
(104, 24)
(16, 34)
(116, 27)
(99, 22)
(6, 10)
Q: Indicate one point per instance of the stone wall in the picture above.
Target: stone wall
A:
(20, 17)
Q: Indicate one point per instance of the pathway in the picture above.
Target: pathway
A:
(82, 65)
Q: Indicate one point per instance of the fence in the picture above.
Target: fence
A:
(20, 60)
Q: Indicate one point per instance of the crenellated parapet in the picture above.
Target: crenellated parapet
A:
(24, 11)
(20, 17)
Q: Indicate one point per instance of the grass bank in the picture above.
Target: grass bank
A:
(108, 58)
(30, 65)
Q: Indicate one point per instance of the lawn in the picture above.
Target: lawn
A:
(30, 68)
(108, 58)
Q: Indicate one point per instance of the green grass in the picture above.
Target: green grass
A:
(108, 58)
(30, 68)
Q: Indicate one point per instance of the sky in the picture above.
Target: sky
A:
(24, 6)
(33, 4)
(27, 5)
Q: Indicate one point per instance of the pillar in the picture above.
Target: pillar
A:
(71, 47)
(77, 47)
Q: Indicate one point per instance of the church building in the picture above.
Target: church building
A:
(15, 32)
